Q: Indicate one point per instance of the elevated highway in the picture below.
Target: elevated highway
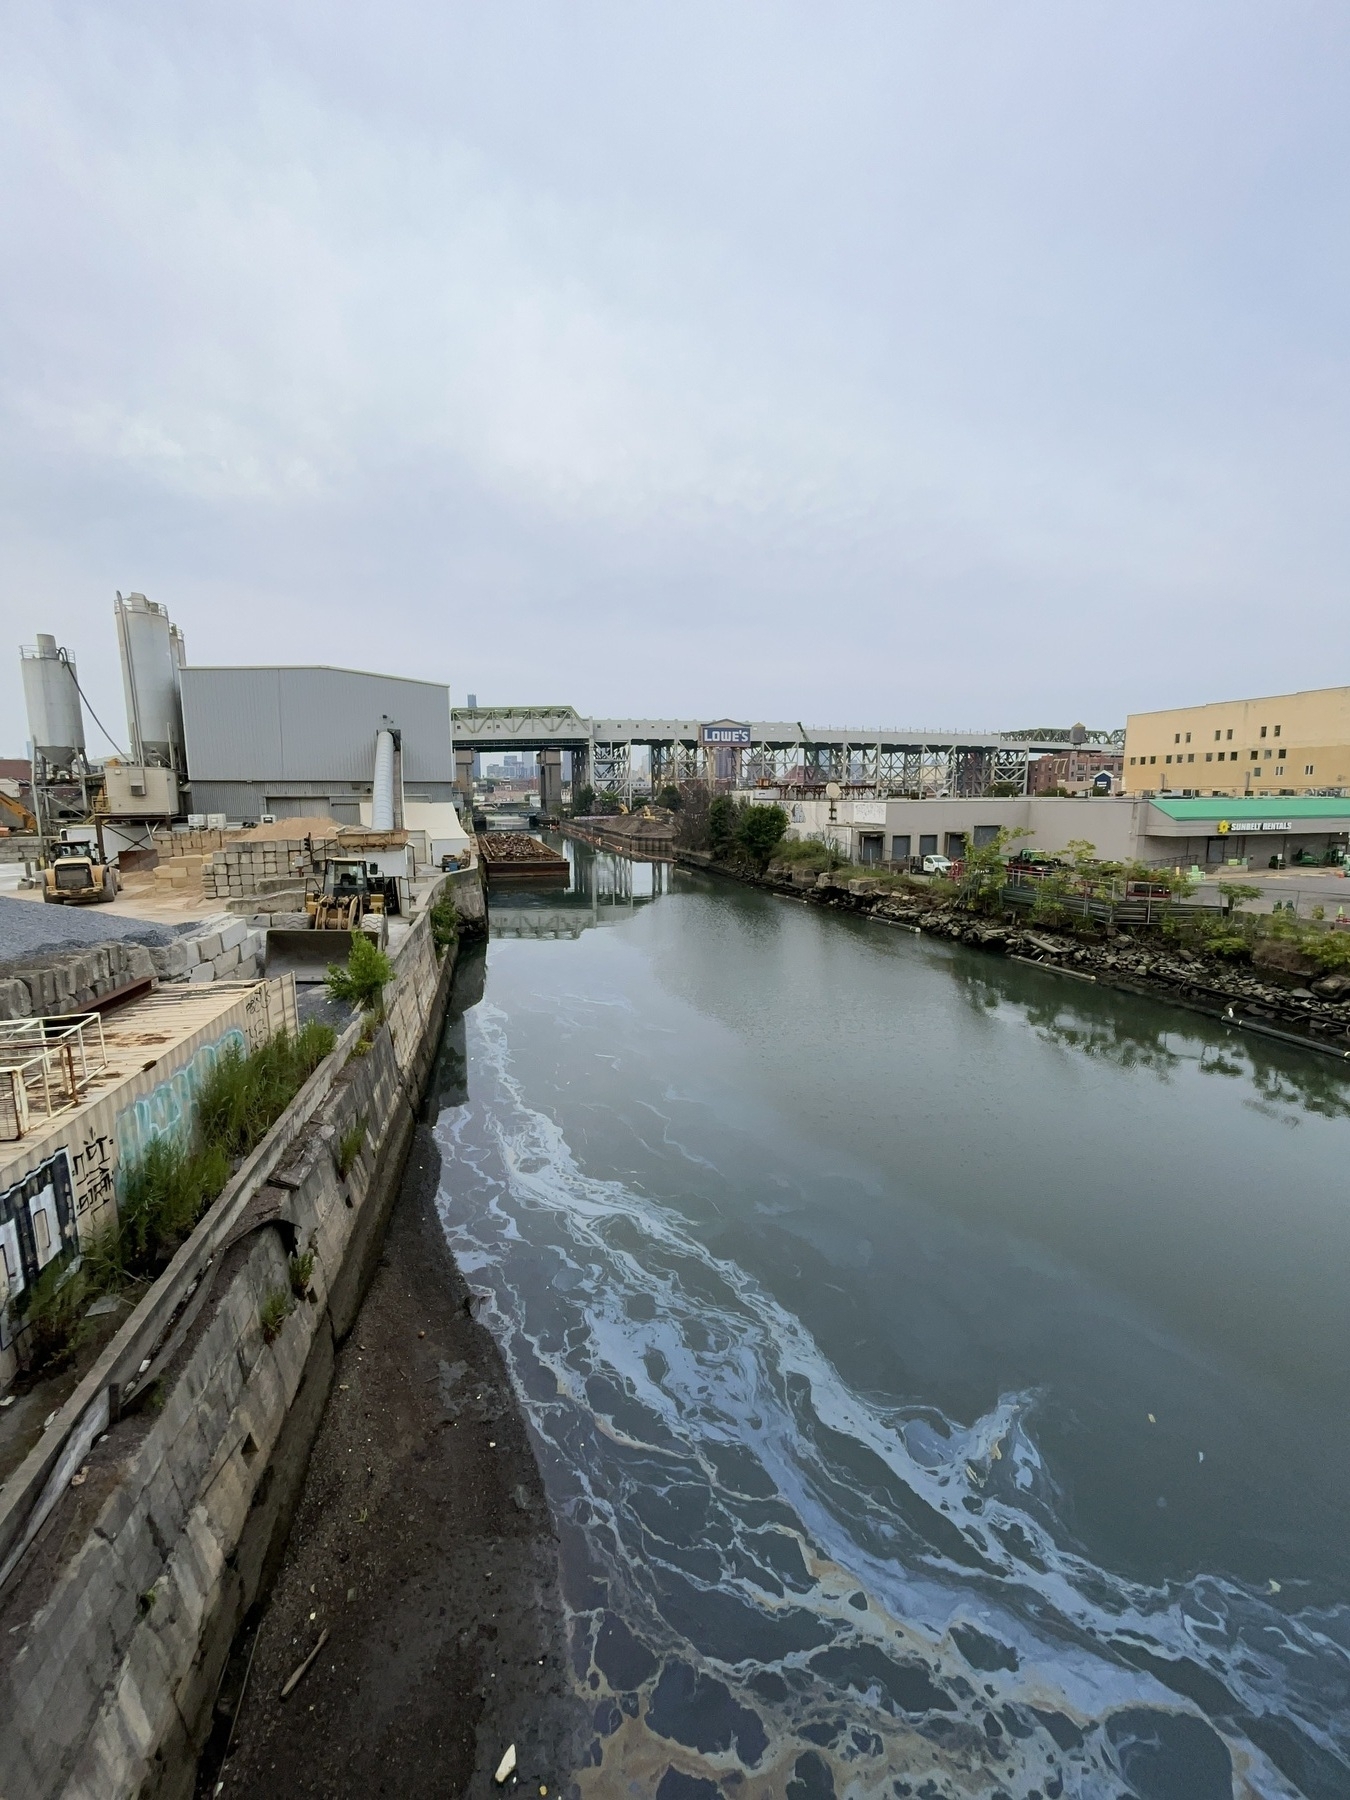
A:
(781, 752)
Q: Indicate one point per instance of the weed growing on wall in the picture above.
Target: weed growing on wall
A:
(54, 1315)
(349, 1146)
(444, 922)
(275, 1310)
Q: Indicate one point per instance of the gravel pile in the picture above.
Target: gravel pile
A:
(28, 927)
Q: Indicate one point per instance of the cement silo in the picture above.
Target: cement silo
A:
(152, 661)
(55, 717)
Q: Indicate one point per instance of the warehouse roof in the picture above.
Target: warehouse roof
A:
(1260, 808)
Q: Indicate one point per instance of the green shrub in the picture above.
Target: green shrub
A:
(245, 1094)
(366, 975)
(759, 830)
(444, 921)
(805, 853)
(721, 824)
(300, 1268)
(583, 801)
(163, 1197)
(1329, 949)
(53, 1316)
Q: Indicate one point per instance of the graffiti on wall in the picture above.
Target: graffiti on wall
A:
(169, 1109)
(37, 1224)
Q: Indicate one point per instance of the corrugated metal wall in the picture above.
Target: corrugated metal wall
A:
(272, 725)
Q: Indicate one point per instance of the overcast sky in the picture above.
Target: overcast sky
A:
(944, 363)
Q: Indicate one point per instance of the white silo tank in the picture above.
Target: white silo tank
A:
(55, 717)
(151, 658)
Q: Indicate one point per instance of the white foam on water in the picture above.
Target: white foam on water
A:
(907, 1526)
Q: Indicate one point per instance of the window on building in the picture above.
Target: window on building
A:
(1307, 768)
(1133, 761)
(1191, 757)
(1267, 755)
(1279, 768)
(1277, 731)
(1176, 737)
(1263, 731)
(1153, 759)
(1167, 759)
(1188, 737)
(1230, 736)
(1209, 756)
(1255, 755)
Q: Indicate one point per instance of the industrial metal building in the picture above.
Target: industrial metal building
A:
(300, 742)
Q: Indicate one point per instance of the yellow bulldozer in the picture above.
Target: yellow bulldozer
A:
(353, 896)
(77, 875)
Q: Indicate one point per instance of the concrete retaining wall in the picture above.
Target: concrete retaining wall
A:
(115, 1628)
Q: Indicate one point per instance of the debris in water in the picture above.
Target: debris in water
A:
(1152, 1420)
(507, 1766)
(1274, 1587)
(80, 1479)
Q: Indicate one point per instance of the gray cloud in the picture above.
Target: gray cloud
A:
(882, 364)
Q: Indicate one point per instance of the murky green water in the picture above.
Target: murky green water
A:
(939, 1368)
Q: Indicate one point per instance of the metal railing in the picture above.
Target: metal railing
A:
(45, 1066)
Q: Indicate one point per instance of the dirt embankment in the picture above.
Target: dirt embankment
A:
(423, 1549)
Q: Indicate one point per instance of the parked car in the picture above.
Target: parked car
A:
(937, 865)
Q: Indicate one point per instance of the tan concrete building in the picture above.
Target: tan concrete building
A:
(1285, 744)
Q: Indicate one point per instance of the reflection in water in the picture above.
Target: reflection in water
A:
(1152, 1036)
(793, 1567)
(602, 889)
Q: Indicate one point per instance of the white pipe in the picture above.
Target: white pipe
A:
(382, 796)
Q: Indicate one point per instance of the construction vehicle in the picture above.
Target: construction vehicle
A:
(14, 815)
(78, 875)
(356, 894)
(352, 888)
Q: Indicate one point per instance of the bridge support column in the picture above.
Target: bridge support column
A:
(464, 780)
(550, 782)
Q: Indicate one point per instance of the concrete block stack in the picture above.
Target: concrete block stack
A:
(54, 983)
(178, 872)
(243, 867)
(223, 948)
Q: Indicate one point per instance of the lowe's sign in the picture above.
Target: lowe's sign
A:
(724, 732)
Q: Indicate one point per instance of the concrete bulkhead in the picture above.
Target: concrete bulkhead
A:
(157, 1558)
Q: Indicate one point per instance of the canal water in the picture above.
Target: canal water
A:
(939, 1368)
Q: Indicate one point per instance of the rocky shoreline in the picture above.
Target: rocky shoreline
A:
(1284, 1003)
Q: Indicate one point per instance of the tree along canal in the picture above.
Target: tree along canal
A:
(938, 1369)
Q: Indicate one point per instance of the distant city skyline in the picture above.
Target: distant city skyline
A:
(956, 365)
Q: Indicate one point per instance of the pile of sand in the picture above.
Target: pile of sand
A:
(295, 830)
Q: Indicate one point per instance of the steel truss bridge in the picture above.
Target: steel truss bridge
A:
(786, 755)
